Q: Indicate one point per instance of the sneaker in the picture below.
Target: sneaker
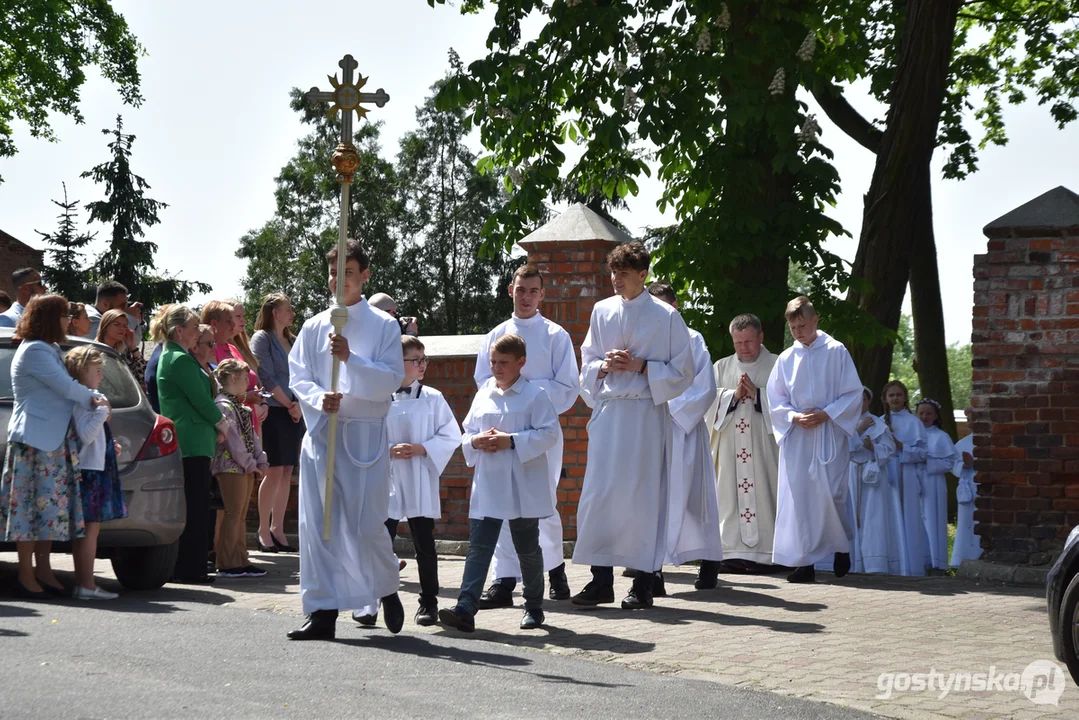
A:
(594, 594)
(559, 583)
(427, 614)
(232, 573)
(456, 618)
(254, 571)
(81, 593)
(532, 620)
(496, 596)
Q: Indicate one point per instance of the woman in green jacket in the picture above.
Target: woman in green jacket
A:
(186, 399)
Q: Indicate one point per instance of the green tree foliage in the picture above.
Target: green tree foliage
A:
(445, 267)
(45, 47)
(67, 272)
(128, 258)
(905, 366)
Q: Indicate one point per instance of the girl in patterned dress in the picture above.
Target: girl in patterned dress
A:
(100, 488)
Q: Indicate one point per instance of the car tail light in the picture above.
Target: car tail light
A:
(162, 440)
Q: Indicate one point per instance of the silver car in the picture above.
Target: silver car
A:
(142, 546)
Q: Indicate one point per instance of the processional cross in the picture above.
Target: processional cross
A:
(345, 96)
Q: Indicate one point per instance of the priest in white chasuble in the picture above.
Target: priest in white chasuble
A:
(636, 358)
(815, 400)
(745, 454)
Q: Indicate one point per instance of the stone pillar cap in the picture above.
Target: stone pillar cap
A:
(1055, 210)
(576, 224)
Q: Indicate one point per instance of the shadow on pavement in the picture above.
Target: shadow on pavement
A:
(665, 615)
(420, 646)
(729, 595)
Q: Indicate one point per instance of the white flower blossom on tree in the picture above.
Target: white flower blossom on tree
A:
(704, 41)
(805, 50)
(779, 82)
(723, 22)
(810, 129)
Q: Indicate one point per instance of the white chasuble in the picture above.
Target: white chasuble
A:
(693, 509)
(423, 417)
(746, 460)
(622, 513)
(551, 364)
(356, 566)
(812, 516)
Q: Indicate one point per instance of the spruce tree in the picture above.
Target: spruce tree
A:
(66, 272)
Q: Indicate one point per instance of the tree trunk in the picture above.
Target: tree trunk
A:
(898, 205)
(930, 349)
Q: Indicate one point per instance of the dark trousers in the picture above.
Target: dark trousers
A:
(604, 576)
(423, 538)
(481, 548)
(191, 561)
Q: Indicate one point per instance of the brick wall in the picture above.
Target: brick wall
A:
(14, 255)
(1026, 380)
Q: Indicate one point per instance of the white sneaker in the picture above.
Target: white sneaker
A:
(81, 593)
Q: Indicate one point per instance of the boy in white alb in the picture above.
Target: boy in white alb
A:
(553, 366)
(423, 435)
(507, 433)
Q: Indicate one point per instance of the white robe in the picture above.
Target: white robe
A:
(878, 538)
(356, 566)
(512, 483)
(812, 519)
(551, 364)
(746, 459)
(693, 507)
(622, 513)
(967, 546)
(940, 459)
(905, 475)
(422, 417)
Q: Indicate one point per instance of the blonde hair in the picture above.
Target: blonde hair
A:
(110, 317)
(173, 319)
(78, 358)
(265, 319)
(215, 310)
(157, 328)
(230, 367)
(800, 307)
(240, 339)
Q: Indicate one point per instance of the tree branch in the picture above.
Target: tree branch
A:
(849, 120)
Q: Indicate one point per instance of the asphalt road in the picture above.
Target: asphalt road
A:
(183, 652)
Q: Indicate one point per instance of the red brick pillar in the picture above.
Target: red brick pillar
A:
(1026, 380)
(571, 252)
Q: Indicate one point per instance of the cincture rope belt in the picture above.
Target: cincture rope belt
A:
(382, 443)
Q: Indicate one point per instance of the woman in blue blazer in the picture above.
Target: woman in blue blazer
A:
(39, 487)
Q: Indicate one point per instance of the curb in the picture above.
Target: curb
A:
(1026, 575)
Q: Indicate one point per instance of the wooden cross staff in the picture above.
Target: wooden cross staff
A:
(345, 96)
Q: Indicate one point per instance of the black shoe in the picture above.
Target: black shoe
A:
(320, 625)
(271, 548)
(54, 592)
(841, 566)
(559, 583)
(23, 593)
(532, 620)
(637, 599)
(280, 546)
(707, 576)
(456, 619)
(366, 620)
(629, 572)
(427, 614)
(496, 596)
(254, 571)
(804, 574)
(393, 612)
(659, 587)
(594, 594)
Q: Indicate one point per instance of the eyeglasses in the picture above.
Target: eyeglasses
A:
(207, 343)
(418, 362)
(38, 283)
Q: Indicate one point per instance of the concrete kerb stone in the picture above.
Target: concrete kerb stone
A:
(1025, 575)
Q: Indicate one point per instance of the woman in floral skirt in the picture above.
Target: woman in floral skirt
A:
(39, 488)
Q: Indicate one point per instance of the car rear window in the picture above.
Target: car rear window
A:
(119, 385)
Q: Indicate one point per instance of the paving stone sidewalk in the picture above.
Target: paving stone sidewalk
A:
(828, 642)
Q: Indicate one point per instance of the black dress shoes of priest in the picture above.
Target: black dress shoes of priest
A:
(320, 625)
(804, 574)
(707, 576)
(393, 612)
(841, 565)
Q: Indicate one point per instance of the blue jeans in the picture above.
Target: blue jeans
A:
(481, 548)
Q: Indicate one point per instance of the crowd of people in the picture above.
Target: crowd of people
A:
(755, 463)
(61, 480)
